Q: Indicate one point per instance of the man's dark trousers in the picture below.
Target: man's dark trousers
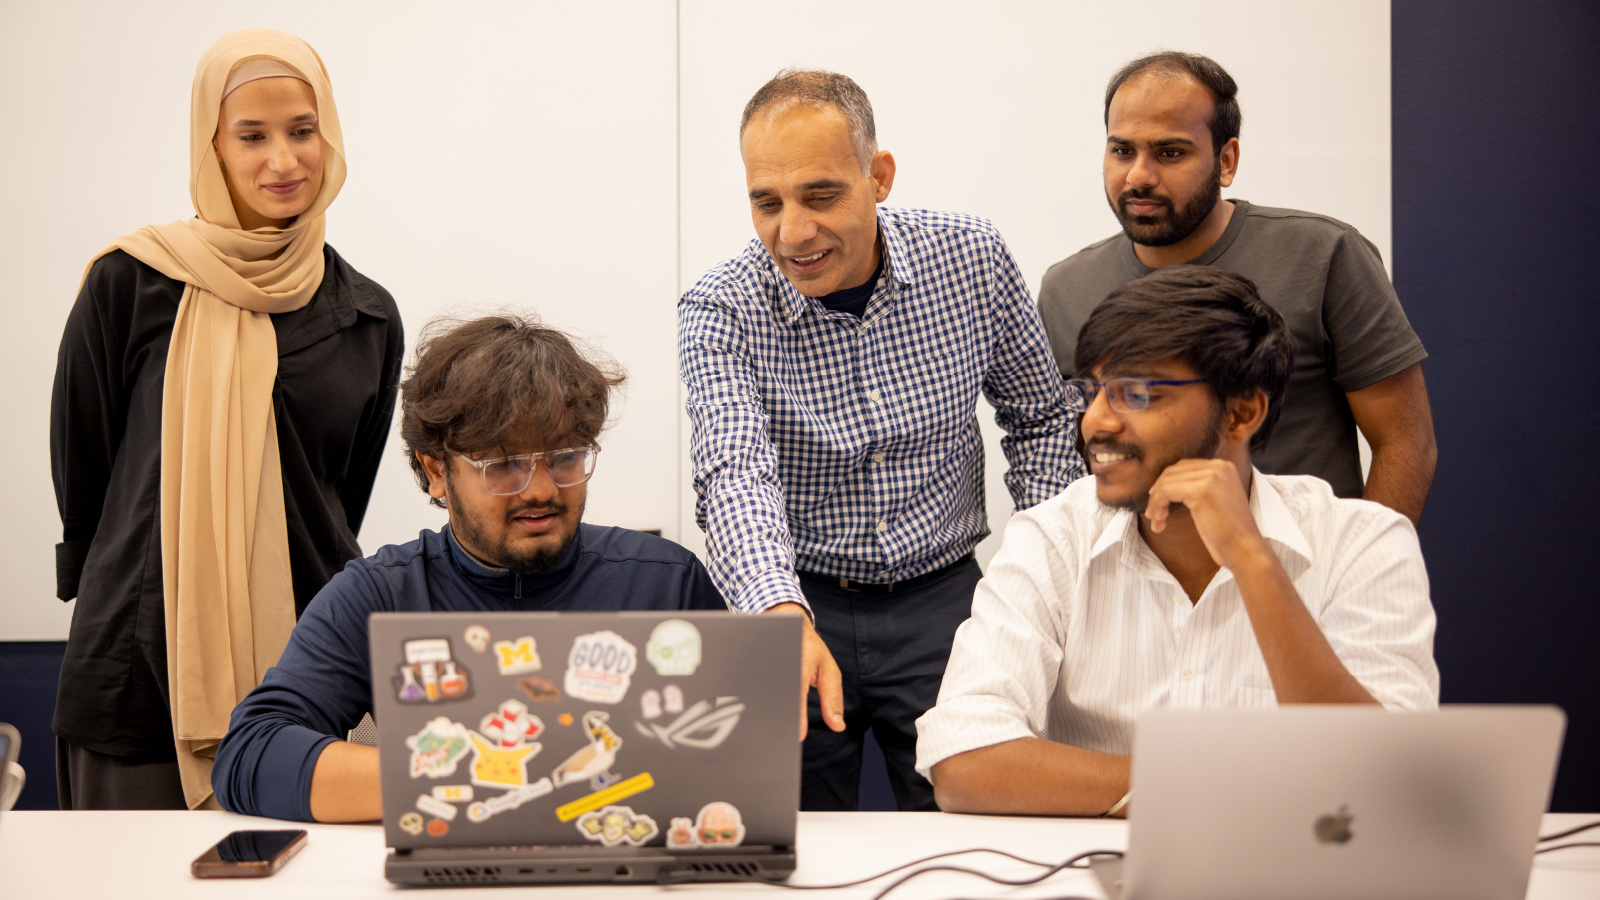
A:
(892, 649)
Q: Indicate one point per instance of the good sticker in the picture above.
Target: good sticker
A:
(600, 667)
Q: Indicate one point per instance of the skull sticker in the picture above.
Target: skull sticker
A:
(674, 648)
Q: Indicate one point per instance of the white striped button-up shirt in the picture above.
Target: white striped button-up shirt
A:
(1078, 627)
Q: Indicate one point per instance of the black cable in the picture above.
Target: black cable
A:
(668, 876)
(996, 879)
(672, 876)
(1568, 833)
(1566, 847)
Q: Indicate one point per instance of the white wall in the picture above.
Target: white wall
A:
(996, 109)
(527, 154)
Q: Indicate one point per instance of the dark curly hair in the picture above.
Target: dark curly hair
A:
(476, 384)
(1212, 320)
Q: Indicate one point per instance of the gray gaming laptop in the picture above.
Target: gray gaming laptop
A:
(537, 748)
(1336, 803)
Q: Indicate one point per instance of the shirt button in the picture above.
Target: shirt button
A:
(883, 524)
(1188, 674)
(877, 457)
(874, 395)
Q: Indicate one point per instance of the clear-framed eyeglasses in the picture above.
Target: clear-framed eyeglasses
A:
(1125, 394)
(507, 475)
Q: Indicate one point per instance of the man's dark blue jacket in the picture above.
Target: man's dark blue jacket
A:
(321, 686)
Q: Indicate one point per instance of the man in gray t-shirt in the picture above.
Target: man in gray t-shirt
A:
(1172, 144)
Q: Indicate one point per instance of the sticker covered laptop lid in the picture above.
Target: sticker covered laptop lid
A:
(614, 729)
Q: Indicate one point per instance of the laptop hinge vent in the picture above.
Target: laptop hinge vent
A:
(461, 874)
(747, 869)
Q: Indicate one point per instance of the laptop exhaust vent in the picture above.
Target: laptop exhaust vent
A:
(745, 869)
(461, 874)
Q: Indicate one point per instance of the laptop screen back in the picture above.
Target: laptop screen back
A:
(619, 729)
(1339, 802)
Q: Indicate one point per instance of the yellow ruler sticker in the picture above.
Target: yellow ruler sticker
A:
(636, 784)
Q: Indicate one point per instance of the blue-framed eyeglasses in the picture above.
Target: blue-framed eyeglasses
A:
(507, 475)
(1125, 394)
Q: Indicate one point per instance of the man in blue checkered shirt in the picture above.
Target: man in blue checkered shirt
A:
(833, 370)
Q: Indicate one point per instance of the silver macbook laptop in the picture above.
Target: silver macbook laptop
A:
(529, 748)
(1336, 802)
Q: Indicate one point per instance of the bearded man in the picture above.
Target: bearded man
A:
(1179, 575)
(1172, 145)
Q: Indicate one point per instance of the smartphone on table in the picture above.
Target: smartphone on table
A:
(249, 854)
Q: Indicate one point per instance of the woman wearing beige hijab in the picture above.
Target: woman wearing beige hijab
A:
(222, 396)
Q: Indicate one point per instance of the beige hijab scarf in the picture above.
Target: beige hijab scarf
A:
(224, 543)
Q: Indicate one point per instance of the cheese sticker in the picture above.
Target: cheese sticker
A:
(617, 825)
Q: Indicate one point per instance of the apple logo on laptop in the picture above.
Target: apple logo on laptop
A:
(1334, 828)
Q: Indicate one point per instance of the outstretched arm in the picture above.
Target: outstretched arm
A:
(739, 499)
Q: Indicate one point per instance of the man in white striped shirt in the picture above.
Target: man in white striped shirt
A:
(1177, 576)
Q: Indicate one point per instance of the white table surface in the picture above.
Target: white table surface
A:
(48, 855)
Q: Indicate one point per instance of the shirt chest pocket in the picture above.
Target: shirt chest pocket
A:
(933, 392)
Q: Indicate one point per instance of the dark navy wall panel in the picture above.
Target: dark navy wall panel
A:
(29, 673)
(1497, 260)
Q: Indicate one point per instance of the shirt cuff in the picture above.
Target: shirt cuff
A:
(961, 724)
(69, 567)
(769, 589)
(275, 772)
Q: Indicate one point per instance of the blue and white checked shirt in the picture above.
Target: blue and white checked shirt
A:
(850, 446)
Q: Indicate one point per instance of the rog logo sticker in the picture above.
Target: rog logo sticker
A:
(703, 726)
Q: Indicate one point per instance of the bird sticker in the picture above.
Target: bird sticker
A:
(594, 761)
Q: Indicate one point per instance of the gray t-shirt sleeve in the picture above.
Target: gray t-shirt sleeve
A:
(1370, 336)
(1060, 324)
